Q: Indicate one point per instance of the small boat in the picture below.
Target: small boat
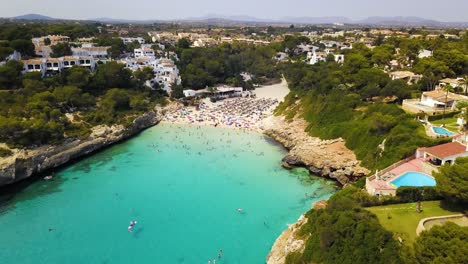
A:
(49, 177)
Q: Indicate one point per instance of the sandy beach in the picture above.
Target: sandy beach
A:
(243, 113)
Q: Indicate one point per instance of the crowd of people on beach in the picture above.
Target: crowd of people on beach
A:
(238, 112)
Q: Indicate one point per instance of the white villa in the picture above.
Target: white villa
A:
(424, 53)
(455, 83)
(436, 99)
(433, 102)
(408, 76)
(315, 57)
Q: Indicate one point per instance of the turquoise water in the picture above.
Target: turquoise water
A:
(183, 186)
(442, 131)
(414, 179)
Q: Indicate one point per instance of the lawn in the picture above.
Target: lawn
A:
(450, 123)
(402, 219)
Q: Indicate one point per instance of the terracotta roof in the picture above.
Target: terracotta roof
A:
(446, 150)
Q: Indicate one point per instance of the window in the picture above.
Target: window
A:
(66, 63)
(88, 61)
(81, 61)
(55, 64)
(37, 67)
(72, 63)
(30, 67)
(49, 64)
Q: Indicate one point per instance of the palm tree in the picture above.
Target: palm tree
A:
(463, 82)
(447, 89)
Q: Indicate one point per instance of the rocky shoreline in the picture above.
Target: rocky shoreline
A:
(289, 241)
(26, 163)
(326, 158)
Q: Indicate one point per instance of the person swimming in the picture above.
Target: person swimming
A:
(130, 227)
(240, 210)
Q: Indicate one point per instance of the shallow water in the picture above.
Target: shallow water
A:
(183, 186)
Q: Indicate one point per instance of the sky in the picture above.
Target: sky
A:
(447, 10)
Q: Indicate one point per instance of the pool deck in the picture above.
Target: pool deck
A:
(382, 182)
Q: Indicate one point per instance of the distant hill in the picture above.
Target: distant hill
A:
(33, 17)
(216, 19)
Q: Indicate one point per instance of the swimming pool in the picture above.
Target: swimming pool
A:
(442, 131)
(413, 178)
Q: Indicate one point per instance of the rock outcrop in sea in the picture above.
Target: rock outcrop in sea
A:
(26, 163)
(327, 158)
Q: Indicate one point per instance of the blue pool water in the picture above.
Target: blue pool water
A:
(442, 131)
(182, 184)
(414, 179)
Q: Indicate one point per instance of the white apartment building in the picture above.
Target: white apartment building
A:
(95, 52)
(56, 65)
(144, 52)
(131, 40)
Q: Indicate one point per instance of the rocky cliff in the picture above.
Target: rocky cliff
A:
(327, 158)
(25, 163)
(289, 241)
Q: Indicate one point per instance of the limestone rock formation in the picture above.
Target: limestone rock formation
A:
(328, 158)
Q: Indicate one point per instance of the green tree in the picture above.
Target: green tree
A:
(24, 46)
(5, 52)
(143, 75)
(442, 244)
(382, 55)
(71, 97)
(183, 43)
(60, 50)
(78, 76)
(10, 75)
(452, 181)
(110, 75)
(115, 99)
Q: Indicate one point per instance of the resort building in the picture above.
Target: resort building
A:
(95, 52)
(43, 51)
(48, 66)
(131, 40)
(50, 40)
(417, 170)
(217, 93)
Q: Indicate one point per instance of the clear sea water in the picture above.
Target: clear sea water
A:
(414, 179)
(181, 184)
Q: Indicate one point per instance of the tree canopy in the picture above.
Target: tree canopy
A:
(452, 181)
